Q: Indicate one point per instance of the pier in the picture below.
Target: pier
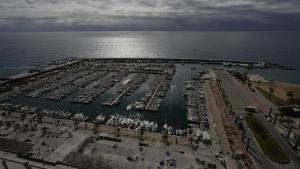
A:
(117, 99)
(155, 91)
(152, 100)
(268, 65)
(196, 110)
(102, 87)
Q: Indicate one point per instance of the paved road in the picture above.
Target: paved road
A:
(220, 136)
(13, 162)
(240, 96)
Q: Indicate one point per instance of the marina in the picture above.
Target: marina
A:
(109, 111)
(118, 87)
(153, 88)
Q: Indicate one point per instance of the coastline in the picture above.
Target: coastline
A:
(251, 64)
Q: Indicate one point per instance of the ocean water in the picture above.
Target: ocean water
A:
(19, 50)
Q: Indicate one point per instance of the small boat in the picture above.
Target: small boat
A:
(154, 127)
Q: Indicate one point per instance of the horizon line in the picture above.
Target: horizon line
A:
(39, 31)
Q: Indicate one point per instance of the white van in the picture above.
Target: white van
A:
(250, 108)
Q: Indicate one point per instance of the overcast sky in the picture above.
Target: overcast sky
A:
(58, 15)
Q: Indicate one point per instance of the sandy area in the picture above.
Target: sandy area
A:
(281, 89)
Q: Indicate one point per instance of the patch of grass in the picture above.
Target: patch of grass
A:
(274, 99)
(288, 111)
(297, 101)
(267, 143)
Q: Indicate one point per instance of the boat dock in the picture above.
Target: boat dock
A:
(155, 91)
(65, 90)
(91, 95)
(60, 79)
(153, 99)
(137, 80)
(196, 111)
(80, 80)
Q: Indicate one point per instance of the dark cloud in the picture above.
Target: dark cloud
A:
(53, 15)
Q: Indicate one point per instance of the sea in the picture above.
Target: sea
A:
(20, 50)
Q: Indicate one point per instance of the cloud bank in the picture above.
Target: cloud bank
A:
(61, 15)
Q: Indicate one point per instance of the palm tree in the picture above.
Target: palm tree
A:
(297, 141)
(141, 134)
(22, 118)
(165, 136)
(118, 132)
(249, 84)
(75, 125)
(249, 68)
(190, 137)
(85, 126)
(258, 83)
(95, 128)
(17, 125)
(271, 91)
(275, 118)
(44, 130)
(4, 117)
(290, 94)
(57, 122)
(243, 78)
(40, 121)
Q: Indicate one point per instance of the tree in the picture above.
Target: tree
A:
(275, 119)
(95, 129)
(290, 94)
(271, 91)
(165, 136)
(57, 122)
(249, 68)
(191, 141)
(141, 134)
(118, 132)
(40, 120)
(4, 117)
(190, 137)
(297, 141)
(23, 117)
(249, 84)
(243, 78)
(211, 166)
(190, 131)
(241, 127)
(258, 83)
(76, 125)
(44, 131)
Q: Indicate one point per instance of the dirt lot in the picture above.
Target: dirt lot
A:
(281, 89)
